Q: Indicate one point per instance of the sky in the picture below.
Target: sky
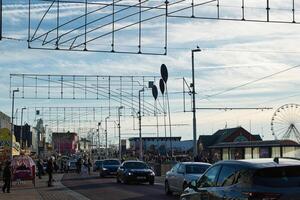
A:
(261, 58)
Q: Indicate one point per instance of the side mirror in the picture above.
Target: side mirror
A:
(122, 168)
(193, 185)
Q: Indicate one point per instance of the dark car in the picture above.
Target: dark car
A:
(257, 179)
(109, 167)
(97, 165)
(135, 171)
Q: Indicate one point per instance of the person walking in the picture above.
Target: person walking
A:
(6, 177)
(40, 169)
(50, 171)
(89, 166)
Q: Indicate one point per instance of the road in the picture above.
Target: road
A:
(98, 188)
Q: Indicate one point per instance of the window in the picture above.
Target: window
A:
(227, 176)
(174, 169)
(288, 176)
(181, 169)
(244, 176)
(196, 169)
(135, 165)
(209, 178)
(111, 162)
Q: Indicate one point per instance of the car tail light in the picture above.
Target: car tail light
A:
(262, 196)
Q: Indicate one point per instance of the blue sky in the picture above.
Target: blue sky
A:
(233, 53)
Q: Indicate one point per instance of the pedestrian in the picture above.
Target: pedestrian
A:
(89, 166)
(40, 169)
(6, 177)
(50, 171)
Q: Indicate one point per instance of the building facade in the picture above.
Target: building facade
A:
(65, 143)
(5, 121)
(238, 143)
(162, 145)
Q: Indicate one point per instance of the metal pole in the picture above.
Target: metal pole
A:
(99, 123)
(12, 122)
(119, 126)
(106, 149)
(140, 126)
(21, 134)
(195, 149)
(0, 19)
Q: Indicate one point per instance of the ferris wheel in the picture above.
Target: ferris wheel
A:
(285, 123)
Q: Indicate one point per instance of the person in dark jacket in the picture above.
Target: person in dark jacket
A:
(40, 169)
(6, 177)
(50, 171)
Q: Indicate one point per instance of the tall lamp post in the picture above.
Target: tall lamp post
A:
(119, 126)
(12, 121)
(21, 134)
(195, 146)
(106, 149)
(140, 125)
(98, 151)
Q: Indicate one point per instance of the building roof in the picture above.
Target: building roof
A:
(263, 163)
(267, 143)
(154, 138)
(222, 134)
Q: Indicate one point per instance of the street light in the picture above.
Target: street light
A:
(119, 126)
(140, 125)
(12, 121)
(106, 149)
(195, 149)
(21, 134)
(99, 124)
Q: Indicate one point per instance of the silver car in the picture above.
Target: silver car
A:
(179, 177)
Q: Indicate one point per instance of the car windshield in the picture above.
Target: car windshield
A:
(98, 162)
(111, 162)
(196, 169)
(278, 177)
(135, 165)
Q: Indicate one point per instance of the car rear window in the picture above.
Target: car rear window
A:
(111, 162)
(278, 177)
(196, 169)
(135, 165)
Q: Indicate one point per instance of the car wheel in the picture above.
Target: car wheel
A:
(151, 182)
(167, 188)
(125, 181)
(118, 180)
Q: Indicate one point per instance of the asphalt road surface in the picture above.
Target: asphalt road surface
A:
(98, 188)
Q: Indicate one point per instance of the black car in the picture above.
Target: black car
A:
(109, 167)
(257, 179)
(135, 171)
(97, 165)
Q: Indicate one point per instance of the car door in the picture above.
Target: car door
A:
(226, 180)
(206, 183)
(180, 177)
(172, 177)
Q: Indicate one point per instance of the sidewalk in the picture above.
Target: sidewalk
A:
(27, 191)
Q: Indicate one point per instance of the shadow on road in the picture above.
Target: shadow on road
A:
(108, 188)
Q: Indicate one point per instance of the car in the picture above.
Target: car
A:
(256, 179)
(97, 165)
(135, 171)
(109, 167)
(72, 165)
(182, 174)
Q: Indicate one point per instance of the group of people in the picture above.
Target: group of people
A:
(83, 166)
